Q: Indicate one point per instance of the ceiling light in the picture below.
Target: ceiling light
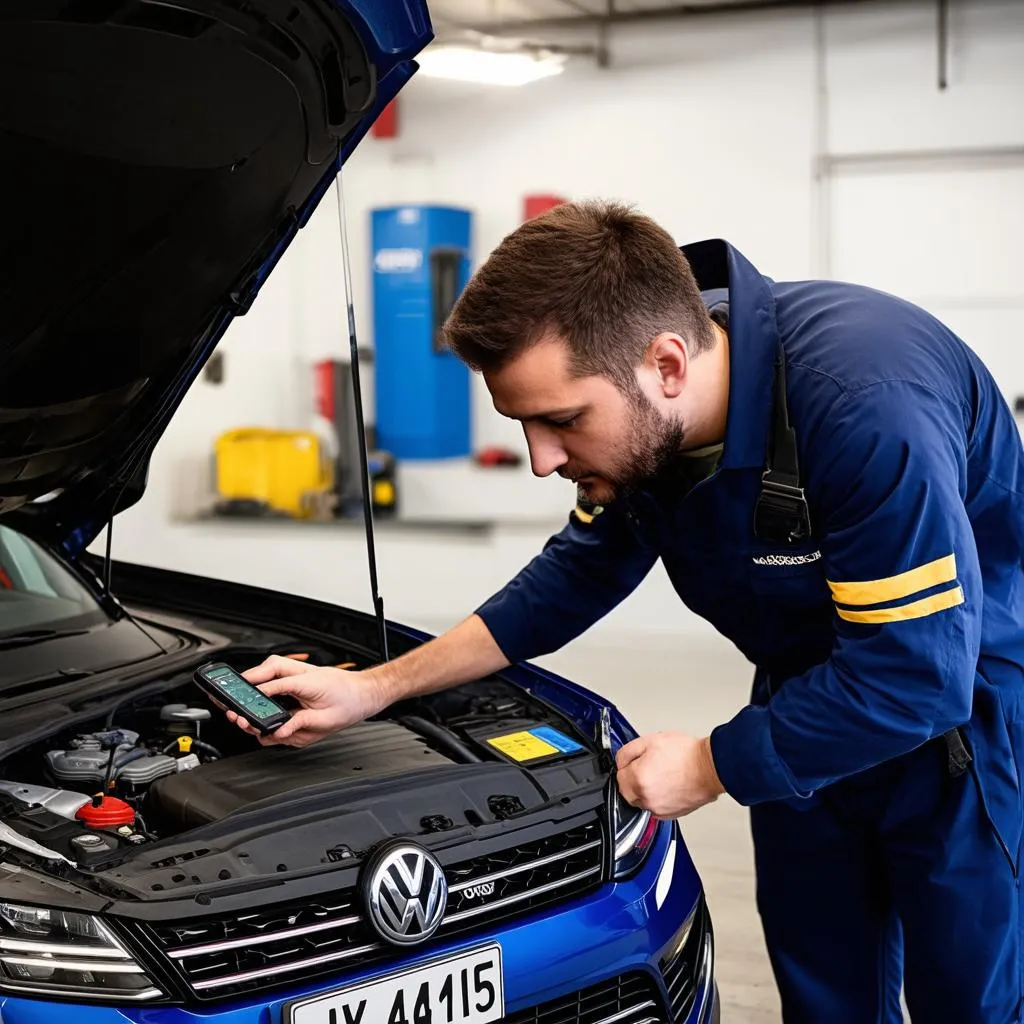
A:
(487, 67)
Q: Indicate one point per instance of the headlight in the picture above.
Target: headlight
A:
(635, 830)
(62, 953)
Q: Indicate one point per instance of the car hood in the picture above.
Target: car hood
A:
(158, 158)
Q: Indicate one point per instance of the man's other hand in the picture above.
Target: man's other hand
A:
(669, 774)
(331, 699)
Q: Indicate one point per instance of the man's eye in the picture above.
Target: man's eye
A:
(565, 423)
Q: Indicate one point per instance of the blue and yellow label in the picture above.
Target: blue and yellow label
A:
(531, 744)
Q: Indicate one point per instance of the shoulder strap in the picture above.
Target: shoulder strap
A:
(781, 515)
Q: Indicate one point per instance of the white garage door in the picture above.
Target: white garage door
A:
(947, 235)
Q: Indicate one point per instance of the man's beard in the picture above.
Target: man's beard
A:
(652, 452)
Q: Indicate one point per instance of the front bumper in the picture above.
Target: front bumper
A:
(622, 929)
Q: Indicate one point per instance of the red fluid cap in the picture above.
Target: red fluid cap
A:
(108, 812)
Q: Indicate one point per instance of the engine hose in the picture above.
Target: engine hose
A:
(112, 714)
(445, 739)
(207, 748)
(113, 769)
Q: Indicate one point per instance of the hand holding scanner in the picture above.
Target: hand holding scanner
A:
(232, 691)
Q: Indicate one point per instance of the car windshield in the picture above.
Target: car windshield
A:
(37, 592)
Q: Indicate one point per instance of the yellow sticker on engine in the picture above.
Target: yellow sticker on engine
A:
(522, 746)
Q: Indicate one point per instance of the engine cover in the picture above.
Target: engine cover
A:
(147, 769)
(59, 801)
(85, 764)
(369, 750)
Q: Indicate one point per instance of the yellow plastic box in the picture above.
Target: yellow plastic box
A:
(286, 470)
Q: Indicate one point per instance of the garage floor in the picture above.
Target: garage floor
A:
(694, 686)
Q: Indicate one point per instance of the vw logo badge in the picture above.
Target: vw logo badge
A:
(406, 894)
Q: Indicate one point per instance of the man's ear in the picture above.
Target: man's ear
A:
(667, 360)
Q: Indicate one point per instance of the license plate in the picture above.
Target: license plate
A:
(463, 989)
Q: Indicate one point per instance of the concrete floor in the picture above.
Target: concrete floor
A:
(694, 685)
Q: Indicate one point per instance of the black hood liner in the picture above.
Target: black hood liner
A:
(156, 159)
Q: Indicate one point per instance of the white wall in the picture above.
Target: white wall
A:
(713, 126)
(940, 218)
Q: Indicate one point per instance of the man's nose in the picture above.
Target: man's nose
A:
(546, 454)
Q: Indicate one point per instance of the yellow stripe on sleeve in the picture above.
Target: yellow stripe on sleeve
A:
(916, 610)
(893, 588)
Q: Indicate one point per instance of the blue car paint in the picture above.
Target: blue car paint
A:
(545, 955)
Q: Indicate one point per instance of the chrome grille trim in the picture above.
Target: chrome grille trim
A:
(678, 985)
(183, 952)
(704, 977)
(626, 1014)
(519, 897)
(224, 960)
(540, 862)
(298, 965)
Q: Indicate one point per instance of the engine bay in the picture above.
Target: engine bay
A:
(160, 766)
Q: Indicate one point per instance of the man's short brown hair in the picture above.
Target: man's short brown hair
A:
(602, 277)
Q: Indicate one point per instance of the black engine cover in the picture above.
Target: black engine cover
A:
(369, 750)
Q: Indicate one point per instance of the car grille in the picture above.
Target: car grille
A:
(628, 999)
(281, 945)
(524, 877)
(681, 973)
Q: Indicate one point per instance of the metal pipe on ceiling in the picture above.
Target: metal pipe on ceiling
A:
(943, 13)
(913, 159)
(615, 16)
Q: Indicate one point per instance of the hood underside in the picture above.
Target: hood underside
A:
(158, 158)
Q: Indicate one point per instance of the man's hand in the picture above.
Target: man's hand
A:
(668, 773)
(331, 699)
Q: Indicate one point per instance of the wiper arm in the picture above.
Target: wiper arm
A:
(34, 636)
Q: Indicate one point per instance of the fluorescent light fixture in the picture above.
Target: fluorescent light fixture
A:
(487, 67)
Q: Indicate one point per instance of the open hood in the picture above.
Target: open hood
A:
(158, 158)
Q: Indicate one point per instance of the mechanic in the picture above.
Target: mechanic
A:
(832, 479)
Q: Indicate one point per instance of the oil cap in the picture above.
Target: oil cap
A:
(106, 812)
(89, 842)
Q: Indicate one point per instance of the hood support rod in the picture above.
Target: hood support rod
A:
(357, 396)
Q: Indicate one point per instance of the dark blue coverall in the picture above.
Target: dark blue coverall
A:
(883, 853)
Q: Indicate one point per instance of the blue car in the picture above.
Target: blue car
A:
(463, 858)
